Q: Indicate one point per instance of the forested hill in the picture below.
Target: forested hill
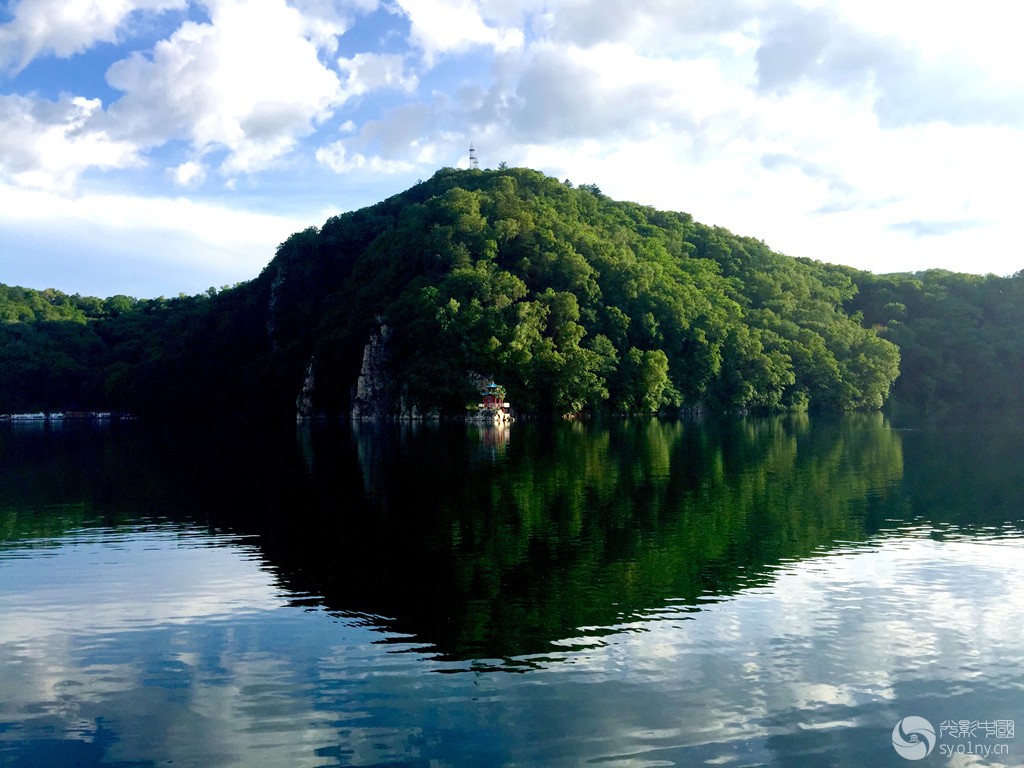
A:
(573, 301)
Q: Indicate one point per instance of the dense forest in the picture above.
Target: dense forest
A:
(573, 301)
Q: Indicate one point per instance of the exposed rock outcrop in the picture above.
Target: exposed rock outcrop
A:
(375, 396)
(304, 407)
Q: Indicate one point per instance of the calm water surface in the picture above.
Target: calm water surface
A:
(773, 592)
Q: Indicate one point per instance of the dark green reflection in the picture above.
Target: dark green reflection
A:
(484, 543)
(966, 477)
(54, 479)
(492, 546)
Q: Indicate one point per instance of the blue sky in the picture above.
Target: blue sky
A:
(153, 147)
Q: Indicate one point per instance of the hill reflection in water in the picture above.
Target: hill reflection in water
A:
(486, 542)
(762, 591)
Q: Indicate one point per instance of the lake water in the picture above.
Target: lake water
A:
(778, 592)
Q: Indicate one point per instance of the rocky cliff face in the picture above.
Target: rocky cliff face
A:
(375, 396)
(304, 403)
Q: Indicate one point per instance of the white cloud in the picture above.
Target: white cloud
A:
(863, 132)
(109, 243)
(655, 26)
(47, 144)
(190, 173)
(610, 91)
(454, 26)
(324, 21)
(67, 27)
(912, 82)
(987, 31)
(798, 123)
(366, 72)
(250, 82)
(402, 131)
(336, 157)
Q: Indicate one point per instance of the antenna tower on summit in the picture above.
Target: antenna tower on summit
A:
(473, 162)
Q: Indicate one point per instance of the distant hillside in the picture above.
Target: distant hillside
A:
(961, 336)
(573, 301)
